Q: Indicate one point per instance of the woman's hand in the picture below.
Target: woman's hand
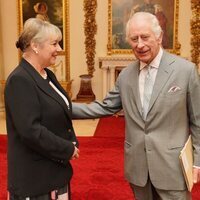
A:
(75, 154)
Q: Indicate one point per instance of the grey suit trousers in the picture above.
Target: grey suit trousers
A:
(149, 192)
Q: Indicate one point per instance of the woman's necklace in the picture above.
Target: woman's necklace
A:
(44, 74)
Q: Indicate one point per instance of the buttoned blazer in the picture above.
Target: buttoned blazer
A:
(152, 147)
(40, 133)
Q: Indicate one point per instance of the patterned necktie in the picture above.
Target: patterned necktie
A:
(148, 87)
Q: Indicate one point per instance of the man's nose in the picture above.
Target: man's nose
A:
(140, 43)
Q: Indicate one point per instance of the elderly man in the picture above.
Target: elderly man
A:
(160, 96)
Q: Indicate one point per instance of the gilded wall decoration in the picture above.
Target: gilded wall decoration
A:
(195, 31)
(90, 30)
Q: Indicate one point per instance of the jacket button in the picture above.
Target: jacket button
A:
(69, 130)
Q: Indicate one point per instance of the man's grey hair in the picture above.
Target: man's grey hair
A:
(155, 26)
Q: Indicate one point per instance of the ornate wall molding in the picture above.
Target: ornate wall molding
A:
(90, 30)
(195, 31)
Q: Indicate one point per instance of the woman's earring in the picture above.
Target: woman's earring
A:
(35, 51)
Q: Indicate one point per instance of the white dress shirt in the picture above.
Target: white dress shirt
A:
(143, 71)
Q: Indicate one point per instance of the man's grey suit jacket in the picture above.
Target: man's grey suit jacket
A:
(152, 147)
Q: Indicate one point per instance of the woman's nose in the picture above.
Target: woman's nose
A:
(59, 48)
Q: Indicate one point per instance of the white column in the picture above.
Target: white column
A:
(105, 80)
(112, 77)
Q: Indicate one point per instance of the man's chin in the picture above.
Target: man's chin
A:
(144, 59)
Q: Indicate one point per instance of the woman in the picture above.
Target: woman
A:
(41, 139)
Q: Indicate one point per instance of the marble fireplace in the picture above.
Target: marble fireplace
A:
(111, 67)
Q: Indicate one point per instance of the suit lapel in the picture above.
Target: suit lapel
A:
(56, 83)
(135, 85)
(163, 74)
(44, 85)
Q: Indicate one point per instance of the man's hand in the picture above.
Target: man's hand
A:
(196, 175)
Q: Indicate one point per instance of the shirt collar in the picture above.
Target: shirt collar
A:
(155, 62)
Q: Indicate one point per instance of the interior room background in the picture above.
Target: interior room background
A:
(9, 26)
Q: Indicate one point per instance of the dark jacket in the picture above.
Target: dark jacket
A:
(40, 133)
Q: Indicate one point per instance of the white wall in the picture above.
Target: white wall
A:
(77, 51)
(1, 52)
(9, 30)
(184, 35)
(9, 22)
(1, 67)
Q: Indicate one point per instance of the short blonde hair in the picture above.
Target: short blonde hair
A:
(38, 31)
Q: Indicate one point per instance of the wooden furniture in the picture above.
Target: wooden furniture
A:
(85, 93)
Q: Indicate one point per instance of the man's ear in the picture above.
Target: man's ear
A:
(160, 38)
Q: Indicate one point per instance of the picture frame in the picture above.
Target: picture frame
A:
(119, 12)
(57, 12)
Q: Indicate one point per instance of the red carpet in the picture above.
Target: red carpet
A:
(98, 173)
(110, 127)
(3, 167)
